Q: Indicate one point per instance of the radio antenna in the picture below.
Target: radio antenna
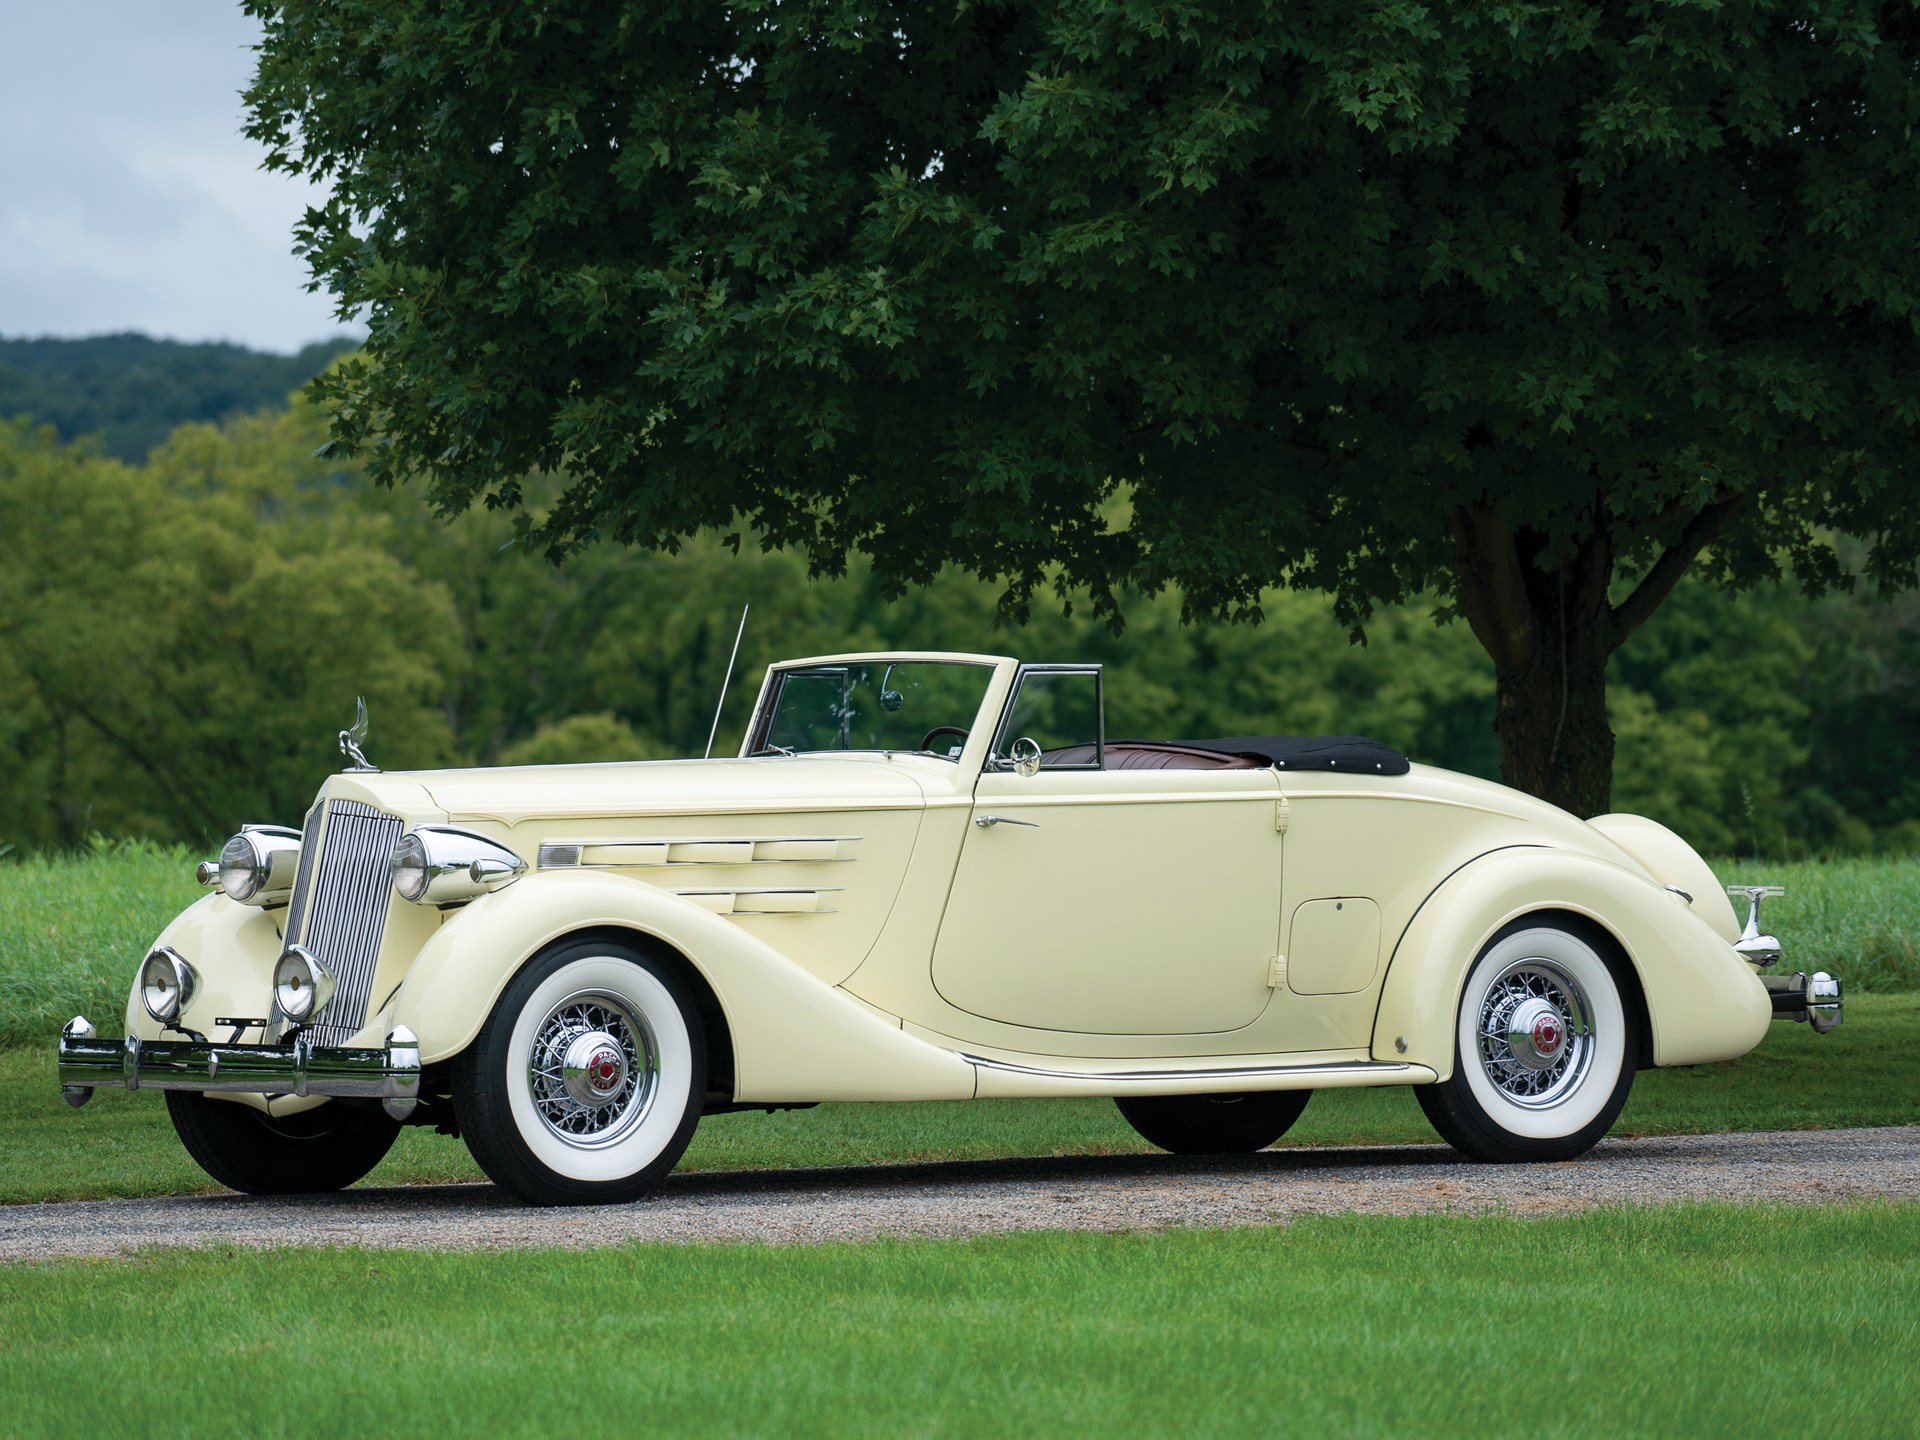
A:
(726, 682)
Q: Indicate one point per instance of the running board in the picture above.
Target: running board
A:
(1004, 1079)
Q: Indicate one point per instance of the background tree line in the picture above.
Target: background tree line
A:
(131, 390)
(181, 638)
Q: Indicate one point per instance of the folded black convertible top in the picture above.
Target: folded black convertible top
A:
(1353, 753)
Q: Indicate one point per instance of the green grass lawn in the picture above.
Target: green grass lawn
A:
(1866, 1073)
(1697, 1321)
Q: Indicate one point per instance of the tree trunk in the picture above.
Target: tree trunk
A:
(1551, 716)
(1550, 629)
(1550, 626)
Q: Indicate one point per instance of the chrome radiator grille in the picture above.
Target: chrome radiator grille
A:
(338, 909)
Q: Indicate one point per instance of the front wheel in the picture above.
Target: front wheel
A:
(584, 1085)
(1215, 1124)
(1543, 1050)
(325, 1148)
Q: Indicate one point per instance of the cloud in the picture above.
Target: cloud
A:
(129, 200)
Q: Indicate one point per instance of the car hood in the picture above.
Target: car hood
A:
(512, 795)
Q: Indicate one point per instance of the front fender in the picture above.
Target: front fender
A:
(231, 947)
(795, 1038)
(1704, 1003)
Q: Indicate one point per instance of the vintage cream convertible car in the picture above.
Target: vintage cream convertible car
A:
(926, 876)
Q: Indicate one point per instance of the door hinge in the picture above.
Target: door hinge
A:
(1277, 973)
(1280, 815)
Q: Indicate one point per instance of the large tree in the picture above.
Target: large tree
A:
(1524, 305)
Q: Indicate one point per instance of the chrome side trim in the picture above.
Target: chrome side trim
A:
(732, 896)
(566, 854)
(1251, 1072)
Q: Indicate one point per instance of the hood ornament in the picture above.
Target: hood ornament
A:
(351, 740)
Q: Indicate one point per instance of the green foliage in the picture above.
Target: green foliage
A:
(133, 391)
(1392, 301)
(180, 641)
(579, 739)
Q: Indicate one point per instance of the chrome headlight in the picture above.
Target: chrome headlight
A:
(167, 983)
(302, 986)
(438, 865)
(257, 865)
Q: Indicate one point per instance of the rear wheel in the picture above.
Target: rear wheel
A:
(584, 1085)
(1543, 1049)
(325, 1148)
(1215, 1124)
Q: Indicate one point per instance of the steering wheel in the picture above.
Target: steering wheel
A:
(926, 742)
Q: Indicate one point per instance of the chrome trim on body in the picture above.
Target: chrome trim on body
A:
(1334, 1070)
(567, 854)
(390, 1073)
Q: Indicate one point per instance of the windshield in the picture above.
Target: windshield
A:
(923, 705)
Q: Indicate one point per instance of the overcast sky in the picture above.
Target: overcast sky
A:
(129, 200)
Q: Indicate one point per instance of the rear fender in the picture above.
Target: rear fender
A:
(795, 1038)
(1702, 1001)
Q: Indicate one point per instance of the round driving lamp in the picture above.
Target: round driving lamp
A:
(444, 866)
(257, 866)
(411, 870)
(241, 871)
(302, 986)
(166, 985)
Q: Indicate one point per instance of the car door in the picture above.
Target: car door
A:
(1108, 901)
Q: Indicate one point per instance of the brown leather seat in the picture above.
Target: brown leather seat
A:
(1151, 755)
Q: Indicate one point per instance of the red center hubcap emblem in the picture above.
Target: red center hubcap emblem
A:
(1546, 1034)
(603, 1070)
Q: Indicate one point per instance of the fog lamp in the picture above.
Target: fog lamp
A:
(302, 986)
(167, 983)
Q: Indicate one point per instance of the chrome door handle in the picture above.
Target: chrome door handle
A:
(986, 820)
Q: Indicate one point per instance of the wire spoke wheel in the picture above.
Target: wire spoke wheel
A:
(1536, 1040)
(593, 1069)
(585, 1084)
(1544, 1047)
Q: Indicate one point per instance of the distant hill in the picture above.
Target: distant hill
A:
(132, 390)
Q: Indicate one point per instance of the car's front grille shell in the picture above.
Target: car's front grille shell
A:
(338, 911)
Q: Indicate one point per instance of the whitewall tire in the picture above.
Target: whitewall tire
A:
(1545, 1041)
(584, 1086)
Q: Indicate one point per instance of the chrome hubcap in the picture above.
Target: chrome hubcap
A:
(593, 1069)
(1535, 1033)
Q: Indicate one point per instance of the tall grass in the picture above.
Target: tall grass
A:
(72, 928)
(1857, 918)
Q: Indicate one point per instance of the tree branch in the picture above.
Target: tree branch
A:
(1493, 596)
(1701, 531)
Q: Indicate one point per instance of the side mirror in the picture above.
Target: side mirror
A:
(1025, 755)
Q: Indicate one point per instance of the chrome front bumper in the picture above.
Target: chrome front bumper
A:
(390, 1075)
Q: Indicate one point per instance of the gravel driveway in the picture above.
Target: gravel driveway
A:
(1127, 1192)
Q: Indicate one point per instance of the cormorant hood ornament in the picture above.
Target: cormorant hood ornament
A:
(351, 740)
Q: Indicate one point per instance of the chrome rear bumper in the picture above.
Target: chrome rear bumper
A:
(1813, 998)
(390, 1075)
